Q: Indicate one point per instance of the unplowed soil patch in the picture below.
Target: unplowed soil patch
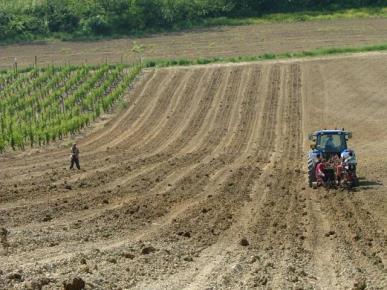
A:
(199, 184)
(220, 41)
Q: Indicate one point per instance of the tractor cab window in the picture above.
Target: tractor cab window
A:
(331, 143)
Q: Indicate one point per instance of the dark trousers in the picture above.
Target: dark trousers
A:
(75, 160)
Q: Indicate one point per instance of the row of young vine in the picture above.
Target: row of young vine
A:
(38, 106)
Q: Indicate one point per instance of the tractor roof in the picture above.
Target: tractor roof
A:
(333, 132)
(330, 132)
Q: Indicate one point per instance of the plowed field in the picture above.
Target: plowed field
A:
(200, 184)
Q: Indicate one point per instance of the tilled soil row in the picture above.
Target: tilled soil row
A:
(214, 256)
(222, 114)
(272, 229)
(346, 234)
(220, 119)
(202, 187)
(358, 242)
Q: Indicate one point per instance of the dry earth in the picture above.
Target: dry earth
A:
(219, 41)
(200, 184)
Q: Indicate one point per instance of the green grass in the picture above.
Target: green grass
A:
(356, 13)
(267, 56)
(14, 5)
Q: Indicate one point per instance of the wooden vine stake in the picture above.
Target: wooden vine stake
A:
(15, 64)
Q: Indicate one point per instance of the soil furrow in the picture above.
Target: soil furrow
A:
(204, 186)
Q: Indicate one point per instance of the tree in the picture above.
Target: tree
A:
(61, 18)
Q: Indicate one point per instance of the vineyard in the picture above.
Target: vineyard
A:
(39, 105)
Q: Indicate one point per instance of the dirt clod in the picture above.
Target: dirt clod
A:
(37, 284)
(330, 233)
(4, 237)
(244, 242)
(188, 259)
(47, 218)
(15, 276)
(261, 281)
(128, 255)
(254, 259)
(187, 235)
(148, 250)
(112, 260)
(291, 269)
(360, 284)
(75, 284)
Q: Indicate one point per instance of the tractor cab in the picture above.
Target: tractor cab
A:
(330, 142)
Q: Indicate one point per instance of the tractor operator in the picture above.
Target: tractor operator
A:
(330, 145)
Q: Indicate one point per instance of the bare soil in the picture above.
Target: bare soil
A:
(200, 184)
(217, 41)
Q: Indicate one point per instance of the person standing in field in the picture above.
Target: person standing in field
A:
(75, 156)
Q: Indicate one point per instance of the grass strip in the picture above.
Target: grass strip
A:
(290, 17)
(266, 56)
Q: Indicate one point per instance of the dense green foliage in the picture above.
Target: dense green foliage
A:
(41, 105)
(31, 19)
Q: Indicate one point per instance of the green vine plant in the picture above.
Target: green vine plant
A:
(139, 50)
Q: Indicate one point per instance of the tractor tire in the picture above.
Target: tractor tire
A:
(311, 172)
(355, 182)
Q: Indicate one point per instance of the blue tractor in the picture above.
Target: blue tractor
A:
(329, 145)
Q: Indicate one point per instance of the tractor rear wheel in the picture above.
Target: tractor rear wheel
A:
(311, 172)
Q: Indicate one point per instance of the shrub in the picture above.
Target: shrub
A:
(96, 24)
(5, 20)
